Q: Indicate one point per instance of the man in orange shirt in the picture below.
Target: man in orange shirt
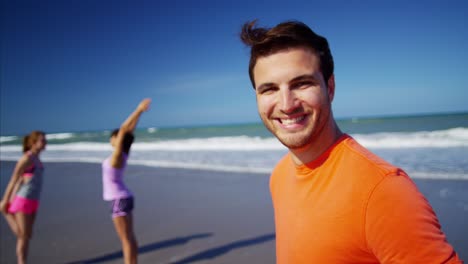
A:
(334, 201)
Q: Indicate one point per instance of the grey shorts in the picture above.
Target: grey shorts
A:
(121, 207)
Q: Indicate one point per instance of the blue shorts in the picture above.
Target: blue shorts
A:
(121, 207)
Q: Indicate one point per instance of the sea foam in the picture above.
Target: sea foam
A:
(433, 154)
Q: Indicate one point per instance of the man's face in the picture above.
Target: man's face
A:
(292, 96)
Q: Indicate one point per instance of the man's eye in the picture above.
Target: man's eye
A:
(266, 90)
(301, 84)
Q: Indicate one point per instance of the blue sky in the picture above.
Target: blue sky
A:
(84, 65)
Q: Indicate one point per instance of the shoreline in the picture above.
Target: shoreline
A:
(181, 216)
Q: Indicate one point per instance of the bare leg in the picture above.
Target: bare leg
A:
(124, 227)
(25, 223)
(11, 220)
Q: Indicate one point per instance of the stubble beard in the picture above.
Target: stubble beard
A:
(300, 139)
(294, 140)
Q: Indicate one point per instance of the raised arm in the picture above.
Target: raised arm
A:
(132, 120)
(16, 177)
(128, 126)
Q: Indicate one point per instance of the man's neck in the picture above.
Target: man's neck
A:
(317, 146)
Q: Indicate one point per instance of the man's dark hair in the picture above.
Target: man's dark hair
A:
(285, 36)
(127, 141)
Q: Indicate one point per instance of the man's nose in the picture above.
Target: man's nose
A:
(287, 100)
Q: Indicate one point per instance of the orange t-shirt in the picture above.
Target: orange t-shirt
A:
(350, 206)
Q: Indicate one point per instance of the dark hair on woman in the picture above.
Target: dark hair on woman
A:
(30, 139)
(285, 36)
(127, 140)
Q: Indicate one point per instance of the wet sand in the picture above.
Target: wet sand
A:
(181, 216)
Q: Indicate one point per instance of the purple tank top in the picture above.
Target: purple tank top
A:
(112, 180)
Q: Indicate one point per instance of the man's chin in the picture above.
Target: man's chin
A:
(294, 143)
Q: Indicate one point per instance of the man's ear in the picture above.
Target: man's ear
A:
(331, 87)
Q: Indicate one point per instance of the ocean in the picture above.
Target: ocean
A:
(426, 146)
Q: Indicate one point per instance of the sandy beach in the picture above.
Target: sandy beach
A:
(181, 216)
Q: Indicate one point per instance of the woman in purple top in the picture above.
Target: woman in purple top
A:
(114, 189)
(20, 201)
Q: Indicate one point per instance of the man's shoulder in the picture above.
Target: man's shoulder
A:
(360, 158)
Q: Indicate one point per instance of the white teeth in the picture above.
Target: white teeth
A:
(292, 121)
